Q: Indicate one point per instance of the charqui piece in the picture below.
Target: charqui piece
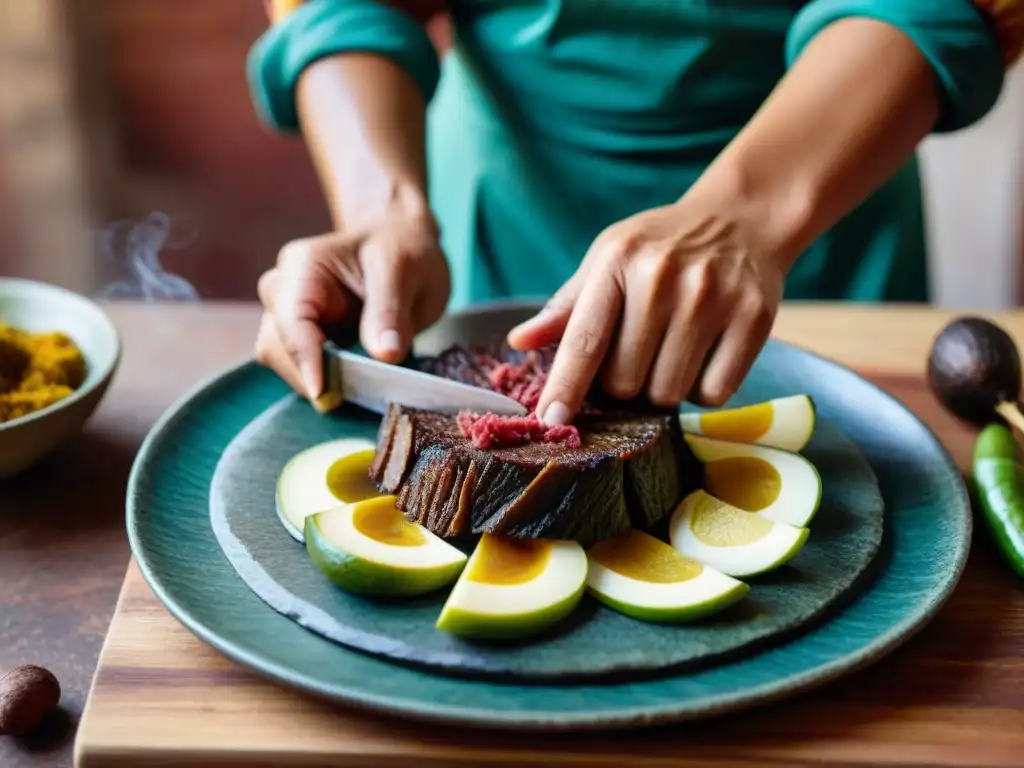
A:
(630, 469)
(474, 365)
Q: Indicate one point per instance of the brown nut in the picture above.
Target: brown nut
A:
(27, 693)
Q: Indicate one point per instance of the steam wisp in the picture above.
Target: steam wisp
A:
(134, 248)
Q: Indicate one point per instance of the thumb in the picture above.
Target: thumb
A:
(304, 300)
(548, 325)
(303, 340)
(389, 282)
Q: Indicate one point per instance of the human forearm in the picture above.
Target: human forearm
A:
(705, 274)
(848, 114)
(363, 119)
(354, 76)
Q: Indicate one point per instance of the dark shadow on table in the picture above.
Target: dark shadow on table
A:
(87, 475)
(63, 554)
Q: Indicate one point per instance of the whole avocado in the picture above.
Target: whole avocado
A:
(974, 366)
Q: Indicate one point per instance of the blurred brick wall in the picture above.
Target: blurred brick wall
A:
(193, 148)
(189, 134)
(190, 144)
(7, 240)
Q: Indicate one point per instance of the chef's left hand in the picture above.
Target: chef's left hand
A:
(675, 301)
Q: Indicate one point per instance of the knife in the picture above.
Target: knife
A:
(371, 384)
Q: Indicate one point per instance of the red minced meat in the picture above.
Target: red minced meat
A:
(523, 383)
(493, 431)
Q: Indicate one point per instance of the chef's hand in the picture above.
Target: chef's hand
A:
(392, 279)
(677, 301)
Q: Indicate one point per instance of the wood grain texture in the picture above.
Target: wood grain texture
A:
(952, 696)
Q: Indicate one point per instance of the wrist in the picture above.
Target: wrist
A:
(772, 207)
(384, 198)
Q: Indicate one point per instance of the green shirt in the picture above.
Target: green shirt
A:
(552, 119)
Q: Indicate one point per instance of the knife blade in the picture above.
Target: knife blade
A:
(371, 384)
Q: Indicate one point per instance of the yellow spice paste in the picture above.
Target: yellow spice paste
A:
(36, 370)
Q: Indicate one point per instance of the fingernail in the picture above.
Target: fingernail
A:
(306, 373)
(390, 341)
(522, 325)
(533, 324)
(541, 314)
(556, 415)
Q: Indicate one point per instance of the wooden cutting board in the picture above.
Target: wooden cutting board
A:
(951, 696)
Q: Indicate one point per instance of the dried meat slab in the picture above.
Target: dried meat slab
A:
(631, 469)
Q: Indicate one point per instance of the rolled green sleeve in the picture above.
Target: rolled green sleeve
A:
(320, 28)
(953, 35)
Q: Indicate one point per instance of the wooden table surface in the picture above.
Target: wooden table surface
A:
(953, 695)
(63, 548)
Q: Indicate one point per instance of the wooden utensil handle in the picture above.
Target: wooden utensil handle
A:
(1011, 412)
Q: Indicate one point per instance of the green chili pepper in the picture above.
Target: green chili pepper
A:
(999, 480)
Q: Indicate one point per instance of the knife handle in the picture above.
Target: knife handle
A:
(332, 396)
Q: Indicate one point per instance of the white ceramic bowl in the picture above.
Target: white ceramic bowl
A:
(39, 307)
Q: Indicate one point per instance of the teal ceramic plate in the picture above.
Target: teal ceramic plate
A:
(922, 556)
(594, 641)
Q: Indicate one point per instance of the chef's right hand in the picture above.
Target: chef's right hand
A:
(392, 279)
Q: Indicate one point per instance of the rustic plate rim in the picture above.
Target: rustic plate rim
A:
(712, 705)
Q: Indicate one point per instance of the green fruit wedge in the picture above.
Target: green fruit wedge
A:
(514, 589)
(369, 548)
